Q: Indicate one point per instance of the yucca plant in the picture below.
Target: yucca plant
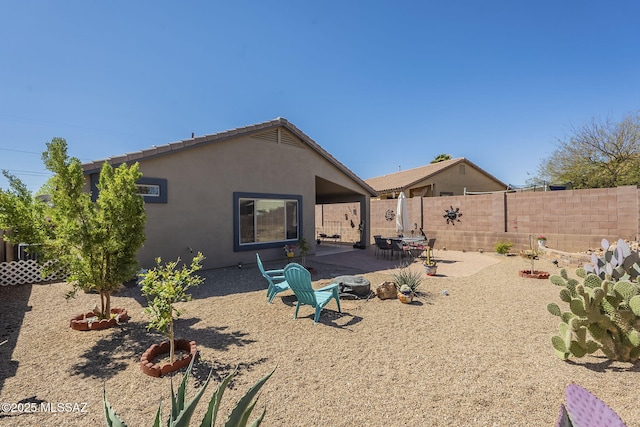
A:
(181, 410)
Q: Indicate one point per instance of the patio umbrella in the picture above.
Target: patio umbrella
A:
(402, 214)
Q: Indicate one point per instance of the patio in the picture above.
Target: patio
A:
(450, 263)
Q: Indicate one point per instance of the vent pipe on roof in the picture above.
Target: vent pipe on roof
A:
(193, 135)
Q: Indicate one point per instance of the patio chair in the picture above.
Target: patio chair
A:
(397, 245)
(277, 282)
(417, 250)
(299, 280)
(375, 239)
(383, 246)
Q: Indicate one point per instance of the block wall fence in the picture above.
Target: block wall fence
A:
(571, 220)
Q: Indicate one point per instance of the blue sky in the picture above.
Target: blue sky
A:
(380, 85)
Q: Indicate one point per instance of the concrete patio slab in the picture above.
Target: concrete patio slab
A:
(450, 263)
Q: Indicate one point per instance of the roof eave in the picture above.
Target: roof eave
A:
(156, 151)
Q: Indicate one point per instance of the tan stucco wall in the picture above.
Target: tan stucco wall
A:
(452, 181)
(200, 184)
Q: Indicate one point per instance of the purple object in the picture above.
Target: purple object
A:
(586, 410)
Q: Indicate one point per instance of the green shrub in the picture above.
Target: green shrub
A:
(503, 247)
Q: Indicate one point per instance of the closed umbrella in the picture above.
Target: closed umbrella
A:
(402, 214)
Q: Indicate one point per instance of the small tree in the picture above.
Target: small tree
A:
(96, 242)
(597, 154)
(304, 250)
(22, 215)
(164, 286)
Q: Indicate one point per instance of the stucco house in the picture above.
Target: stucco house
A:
(234, 193)
(446, 178)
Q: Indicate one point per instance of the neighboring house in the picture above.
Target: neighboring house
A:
(447, 178)
(235, 193)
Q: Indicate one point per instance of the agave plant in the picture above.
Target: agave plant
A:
(404, 276)
(181, 410)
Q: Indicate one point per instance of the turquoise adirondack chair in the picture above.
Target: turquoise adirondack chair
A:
(299, 279)
(277, 282)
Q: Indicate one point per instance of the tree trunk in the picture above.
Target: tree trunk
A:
(171, 343)
(101, 304)
(107, 308)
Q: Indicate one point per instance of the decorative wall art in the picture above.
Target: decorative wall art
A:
(452, 215)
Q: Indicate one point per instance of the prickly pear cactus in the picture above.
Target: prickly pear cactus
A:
(586, 410)
(619, 263)
(604, 314)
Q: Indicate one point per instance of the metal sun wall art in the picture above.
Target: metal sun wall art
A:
(452, 215)
(389, 215)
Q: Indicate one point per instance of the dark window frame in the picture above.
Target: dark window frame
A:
(237, 246)
(160, 182)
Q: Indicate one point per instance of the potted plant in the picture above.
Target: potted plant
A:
(533, 273)
(542, 242)
(430, 265)
(290, 250)
(163, 287)
(405, 294)
(407, 283)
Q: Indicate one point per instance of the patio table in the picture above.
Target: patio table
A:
(416, 245)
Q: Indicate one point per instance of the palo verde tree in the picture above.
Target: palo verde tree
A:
(598, 154)
(96, 242)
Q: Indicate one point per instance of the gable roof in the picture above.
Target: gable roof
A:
(95, 166)
(398, 181)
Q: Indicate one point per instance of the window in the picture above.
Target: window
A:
(266, 220)
(153, 190)
(148, 190)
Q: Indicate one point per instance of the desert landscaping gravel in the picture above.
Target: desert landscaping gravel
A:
(472, 350)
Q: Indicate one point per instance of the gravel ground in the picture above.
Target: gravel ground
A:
(479, 356)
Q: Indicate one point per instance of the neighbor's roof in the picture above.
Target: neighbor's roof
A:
(95, 166)
(399, 181)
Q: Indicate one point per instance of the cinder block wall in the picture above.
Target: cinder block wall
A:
(339, 218)
(571, 220)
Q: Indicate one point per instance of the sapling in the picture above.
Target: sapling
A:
(164, 286)
(304, 250)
